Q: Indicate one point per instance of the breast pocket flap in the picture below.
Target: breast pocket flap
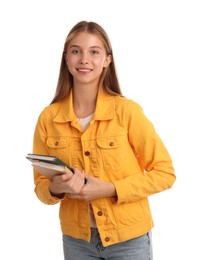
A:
(109, 143)
(57, 143)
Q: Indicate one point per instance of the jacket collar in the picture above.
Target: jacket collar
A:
(105, 108)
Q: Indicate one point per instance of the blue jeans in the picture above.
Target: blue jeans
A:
(139, 248)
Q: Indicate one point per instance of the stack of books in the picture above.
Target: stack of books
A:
(49, 166)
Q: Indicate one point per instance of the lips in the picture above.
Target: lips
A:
(83, 70)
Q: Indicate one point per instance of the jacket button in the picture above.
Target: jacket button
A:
(56, 143)
(107, 239)
(99, 213)
(87, 153)
(111, 144)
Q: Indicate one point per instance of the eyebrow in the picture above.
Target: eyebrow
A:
(77, 46)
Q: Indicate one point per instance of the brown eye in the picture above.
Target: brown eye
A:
(75, 51)
(94, 52)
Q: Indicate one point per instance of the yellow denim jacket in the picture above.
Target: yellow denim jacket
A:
(119, 146)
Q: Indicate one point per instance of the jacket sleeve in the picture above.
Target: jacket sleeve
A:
(39, 147)
(156, 169)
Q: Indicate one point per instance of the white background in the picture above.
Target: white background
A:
(155, 45)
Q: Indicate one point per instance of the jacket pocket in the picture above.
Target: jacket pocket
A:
(112, 151)
(58, 146)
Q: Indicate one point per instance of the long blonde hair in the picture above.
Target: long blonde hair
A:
(108, 80)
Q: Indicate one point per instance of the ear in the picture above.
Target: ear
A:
(107, 61)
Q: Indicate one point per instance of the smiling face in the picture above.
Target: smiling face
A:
(86, 58)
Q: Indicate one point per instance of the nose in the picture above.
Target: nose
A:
(84, 58)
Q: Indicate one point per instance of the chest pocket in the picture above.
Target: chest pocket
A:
(112, 151)
(58, 147)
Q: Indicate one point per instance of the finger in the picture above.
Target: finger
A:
(60, 178)
(75, 185)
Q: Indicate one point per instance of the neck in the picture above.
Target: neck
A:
(84, 100)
